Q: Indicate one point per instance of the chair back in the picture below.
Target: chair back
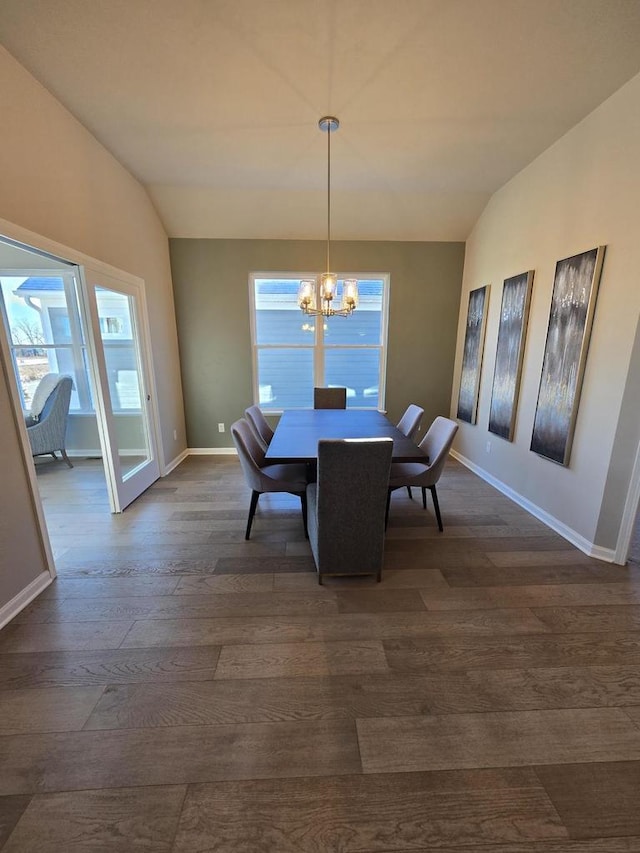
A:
(58, 402)
(250, 453)
(45, 388)
(329, 398)
(47, 433)
(258, 421)
(437, 443)
(410, 421)
(347, 529)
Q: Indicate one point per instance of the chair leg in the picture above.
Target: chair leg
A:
(54, 455)
(386, 512)
(252, 512)
(424, 497)
(66, 458)
(409, 492)
(436, 506)
(303, 501)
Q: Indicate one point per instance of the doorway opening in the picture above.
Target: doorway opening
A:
(61, 319)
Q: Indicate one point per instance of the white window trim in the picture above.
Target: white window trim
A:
(76, 346)
(319, 346)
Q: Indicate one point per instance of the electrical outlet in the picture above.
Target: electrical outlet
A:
(488, 447)
(175, 435)
(220, 427)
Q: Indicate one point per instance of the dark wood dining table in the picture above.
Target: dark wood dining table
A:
(299, 430)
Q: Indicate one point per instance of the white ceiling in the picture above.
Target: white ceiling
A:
(213, 104)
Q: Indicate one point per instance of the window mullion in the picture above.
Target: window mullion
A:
(318, 361)
(77, 343)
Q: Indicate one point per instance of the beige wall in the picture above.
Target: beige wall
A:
(56, 180)
(582, 192)
(211, 280)
(59, 182)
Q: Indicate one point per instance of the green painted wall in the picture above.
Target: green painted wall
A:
(211, 291)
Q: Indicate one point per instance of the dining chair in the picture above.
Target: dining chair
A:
(410, 421)
(346, 506)
(259, 424)
(409, 424)
(329, 398)
(436, 445)
(261, 478)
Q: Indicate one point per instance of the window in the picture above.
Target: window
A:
(44, 328)
(111, 325)
(45, 333)
(293, 351)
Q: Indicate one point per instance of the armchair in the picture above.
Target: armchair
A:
(47, 421)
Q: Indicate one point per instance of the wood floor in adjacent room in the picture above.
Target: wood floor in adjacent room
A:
(180, 690)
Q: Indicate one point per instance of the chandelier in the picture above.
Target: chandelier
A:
(308, 291)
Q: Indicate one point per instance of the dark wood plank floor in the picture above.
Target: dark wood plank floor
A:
(180, 690)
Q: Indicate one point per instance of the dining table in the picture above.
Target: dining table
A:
(298, 432)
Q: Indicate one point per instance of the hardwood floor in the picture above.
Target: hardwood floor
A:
(180, 690)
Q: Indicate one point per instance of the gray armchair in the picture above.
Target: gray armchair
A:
(410, 421)
(260, 425)
(409, 424)
(436, 445)
(47, 421)
(346, 506)
(261, 477)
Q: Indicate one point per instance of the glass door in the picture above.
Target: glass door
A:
(115, 314)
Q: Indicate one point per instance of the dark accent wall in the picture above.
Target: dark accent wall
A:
(211, 291)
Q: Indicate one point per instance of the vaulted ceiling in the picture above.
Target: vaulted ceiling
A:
(213, 104)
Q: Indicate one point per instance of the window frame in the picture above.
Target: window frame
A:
(77, 344)
(319, 347)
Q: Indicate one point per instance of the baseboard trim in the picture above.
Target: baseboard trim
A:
(607, 555)
(212, 451)
(169, 466)
(24, 597)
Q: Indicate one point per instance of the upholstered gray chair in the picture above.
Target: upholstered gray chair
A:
(436, 445)
(46, 422)
(408, 425)
(410, 421)
(259, 424)
(346, 506)
(329, 398)
(261, 478)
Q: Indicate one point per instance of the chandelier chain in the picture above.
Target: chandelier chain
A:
(308, 292)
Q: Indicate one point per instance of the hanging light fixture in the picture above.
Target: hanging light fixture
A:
(308, 291)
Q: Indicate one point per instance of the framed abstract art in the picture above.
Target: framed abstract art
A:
(512, 331)
(573, 303)
(472, 355)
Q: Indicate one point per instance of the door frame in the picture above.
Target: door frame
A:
(29, 240)
(6, 368)
(631, 509)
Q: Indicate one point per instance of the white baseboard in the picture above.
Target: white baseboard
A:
(605, 554)
(24, 597)
(169, 466)
(212, 451)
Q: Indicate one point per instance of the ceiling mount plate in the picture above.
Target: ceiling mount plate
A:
(328, 124)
